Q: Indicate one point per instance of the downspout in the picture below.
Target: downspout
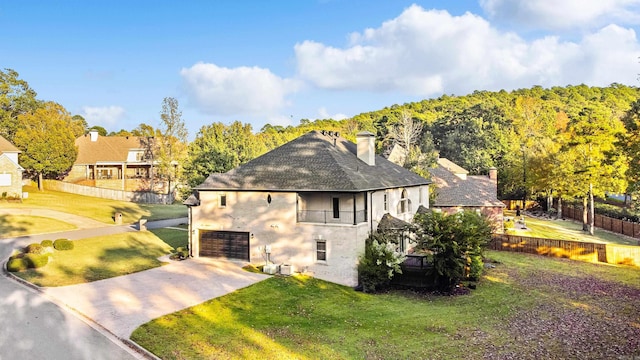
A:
(190, 229)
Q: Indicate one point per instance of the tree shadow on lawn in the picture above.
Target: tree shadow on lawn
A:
(8, 227)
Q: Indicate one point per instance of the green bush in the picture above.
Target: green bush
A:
(509, 224)
(452, 239)
(475, 267)
(35, 261)
(17, 264)
(34, 249)
(380, 262)
(63, 244)
(47, 243)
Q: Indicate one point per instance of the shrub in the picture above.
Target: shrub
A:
(34, 248)
(17, 264)
(509, 224)
(475, 267)
(47, 243)
(452, 239)
(380, 262)
(36, 260)
(63, 244)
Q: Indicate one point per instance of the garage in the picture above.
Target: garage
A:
(226, 244)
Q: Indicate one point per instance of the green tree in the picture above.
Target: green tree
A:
(599, 166)
(630, 143)
(16, 98)
(78, 125)
(218, 148)
(455, 240)
(172, 144)
(46, 140)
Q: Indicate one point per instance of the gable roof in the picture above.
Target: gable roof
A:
(314, 162)
(6, 146)
(451, 190)
(106, 148)
(452, 167)
(8, 159)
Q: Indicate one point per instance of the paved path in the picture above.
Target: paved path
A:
(32, 326)
(123, 303)
(80, 222)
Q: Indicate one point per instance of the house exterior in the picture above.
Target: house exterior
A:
(114, 162)
(309, 204)
(456, 190)
(10, 171)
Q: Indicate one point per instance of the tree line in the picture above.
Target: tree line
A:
(572, 142)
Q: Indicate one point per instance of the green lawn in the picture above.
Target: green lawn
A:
(528, 307)
(104, 257)
(96, 208)
(18, 225)
(567, 230)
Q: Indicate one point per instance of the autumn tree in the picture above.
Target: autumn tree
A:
(16, 98)
(172, 144)
(599, 166)
(46, 141)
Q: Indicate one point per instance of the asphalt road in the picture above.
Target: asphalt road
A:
(33, 327)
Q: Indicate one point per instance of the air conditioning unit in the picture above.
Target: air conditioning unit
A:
(270, 269)
(286, 269)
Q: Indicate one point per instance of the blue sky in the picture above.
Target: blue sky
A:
(281, 61)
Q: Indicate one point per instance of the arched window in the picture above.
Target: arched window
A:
(405, 204)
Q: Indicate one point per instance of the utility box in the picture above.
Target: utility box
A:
(270, 269)
(286, 269)
(118, 218)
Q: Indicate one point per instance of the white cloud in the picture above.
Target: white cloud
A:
(324, 114)
(426, 53)
(562, 14)
(103, 116)
(242, 90)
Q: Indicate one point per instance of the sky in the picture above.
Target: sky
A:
(277, 62)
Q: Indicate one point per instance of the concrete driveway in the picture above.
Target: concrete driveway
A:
(123, 303)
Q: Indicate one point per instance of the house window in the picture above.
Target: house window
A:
(223, 200)
(336, 208)
(405, 203)
(139, 156)
(5, 179)
(321, 250)
(385, 200)
(421, 200)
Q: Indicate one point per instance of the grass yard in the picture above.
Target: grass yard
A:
(18, 225)
(104, 257)
(528, 307)
(96, 208)
(567, 230)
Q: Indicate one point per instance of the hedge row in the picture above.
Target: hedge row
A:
(27, 261)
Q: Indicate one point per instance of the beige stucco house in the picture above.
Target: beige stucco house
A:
(114, 162)
(456, 190)
(10, 171)
(309, 204)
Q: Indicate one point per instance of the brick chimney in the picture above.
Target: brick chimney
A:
(493, 174)
(366, 147)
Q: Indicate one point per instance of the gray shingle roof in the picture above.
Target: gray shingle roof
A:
(454, 191)
(313, 162)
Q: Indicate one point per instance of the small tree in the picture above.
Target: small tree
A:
(456, 242)
(172, 146)
(381, 260)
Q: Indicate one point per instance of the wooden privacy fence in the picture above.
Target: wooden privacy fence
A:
(133, 196)
(624, 227)
(584, 251)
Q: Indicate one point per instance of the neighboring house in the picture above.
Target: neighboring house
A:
(455, 191)
(10, 171)
(310, 203)
(114, 162)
